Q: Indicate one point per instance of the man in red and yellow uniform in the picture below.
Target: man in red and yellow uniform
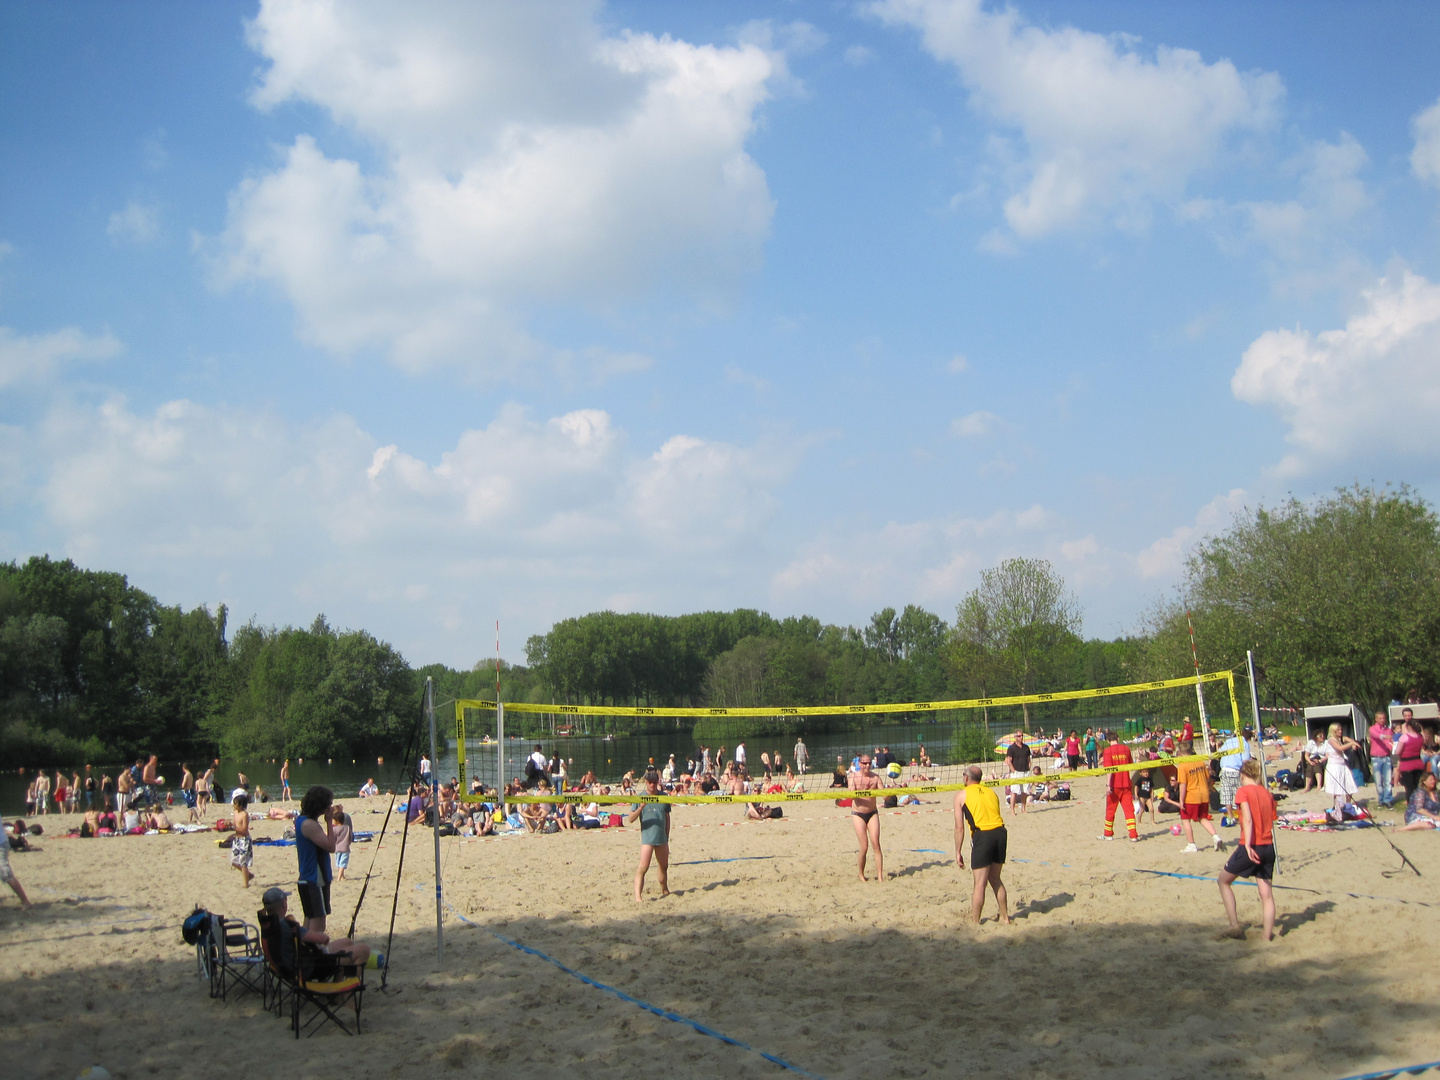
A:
(1119, 791)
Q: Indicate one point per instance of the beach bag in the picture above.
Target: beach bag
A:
(776, 812)
(844, 802)
(195, 926)
(891, 801)
(1062, 793)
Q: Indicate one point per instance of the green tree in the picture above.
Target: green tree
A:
(1339, 599)
(315, 692)
(1016, 627)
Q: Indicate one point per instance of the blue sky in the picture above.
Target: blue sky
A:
(428, 315)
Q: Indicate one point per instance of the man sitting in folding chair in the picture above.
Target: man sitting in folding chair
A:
(321, 970)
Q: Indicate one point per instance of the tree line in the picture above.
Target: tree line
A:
(1337, 597)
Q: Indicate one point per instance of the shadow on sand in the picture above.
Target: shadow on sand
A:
(1042, 998)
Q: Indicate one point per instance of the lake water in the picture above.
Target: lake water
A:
(608, 759)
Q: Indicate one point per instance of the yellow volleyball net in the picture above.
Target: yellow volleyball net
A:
(472, 716)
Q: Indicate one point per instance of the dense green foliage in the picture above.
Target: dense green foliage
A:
(313, 693)
(747, 658)
(1340, 599)
(90, 665)
(94, 669)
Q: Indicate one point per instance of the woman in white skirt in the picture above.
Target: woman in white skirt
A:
(1339, 780)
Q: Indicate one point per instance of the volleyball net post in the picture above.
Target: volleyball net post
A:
(464, 770)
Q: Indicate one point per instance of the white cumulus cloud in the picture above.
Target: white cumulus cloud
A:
(930, 562)
(1425, 158)
(35, 357)
(1103, 128)
(1306, 237)
(533, 518)
(522, 157)
(976, 425)
(1340, 391)
(1166, 556)
(134, 224)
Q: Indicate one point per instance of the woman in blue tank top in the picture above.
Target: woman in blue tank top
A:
(654, 821)
(313, 845)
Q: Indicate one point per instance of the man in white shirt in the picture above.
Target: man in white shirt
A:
(425, 768)
(1312, 760)
(740, 754)
(801, 755)
(538, 767)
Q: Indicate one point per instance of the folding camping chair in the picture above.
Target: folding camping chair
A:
(233, 957)
(279, 983)
(326, 996)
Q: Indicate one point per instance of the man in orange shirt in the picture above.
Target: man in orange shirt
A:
(1119, 791)
(1195, 803)
(1255, 854)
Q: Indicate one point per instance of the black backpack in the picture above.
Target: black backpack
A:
(195, 926)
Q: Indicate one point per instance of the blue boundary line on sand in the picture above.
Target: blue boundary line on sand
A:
(937, 851)
(1292, 888)
(1387, 1074)
(664, 1014)
(738, 858)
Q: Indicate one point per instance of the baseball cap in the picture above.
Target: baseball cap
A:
(273, 895)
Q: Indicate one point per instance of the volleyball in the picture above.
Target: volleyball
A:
(893, 770)
(159, 781)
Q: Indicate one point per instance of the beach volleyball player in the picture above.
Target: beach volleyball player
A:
(865, 815)
(979, 806)
(1254, 855)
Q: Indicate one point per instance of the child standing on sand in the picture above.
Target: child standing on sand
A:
(242, 852)
(654, 821)
(342, 830)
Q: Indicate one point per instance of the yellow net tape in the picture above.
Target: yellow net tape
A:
(828, 710)
(841, 710)
(845, 793)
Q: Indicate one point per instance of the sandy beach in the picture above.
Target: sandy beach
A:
(768, 939)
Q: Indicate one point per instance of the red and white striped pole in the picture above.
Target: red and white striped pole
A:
(1199, 686)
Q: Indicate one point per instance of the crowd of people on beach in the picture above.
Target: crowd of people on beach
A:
(1403, 758)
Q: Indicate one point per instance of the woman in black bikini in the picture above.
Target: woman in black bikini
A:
(865, 816)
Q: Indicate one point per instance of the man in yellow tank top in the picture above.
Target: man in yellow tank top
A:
(980, 808)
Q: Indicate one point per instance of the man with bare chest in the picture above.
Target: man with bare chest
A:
(865, 815)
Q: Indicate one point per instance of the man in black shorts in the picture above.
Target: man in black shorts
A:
(1254, 855)
(979, 807)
